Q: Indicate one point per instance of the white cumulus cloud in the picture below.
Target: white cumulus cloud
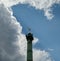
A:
(10, 32)
(39, 55)
(13, 44)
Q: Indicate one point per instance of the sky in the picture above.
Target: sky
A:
(47, 31)
(43, 19)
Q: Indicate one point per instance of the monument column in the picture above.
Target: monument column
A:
(29, 38)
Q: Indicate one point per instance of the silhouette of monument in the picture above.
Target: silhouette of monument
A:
(29, 38)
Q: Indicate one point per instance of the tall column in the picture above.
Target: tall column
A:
(29, 38)
(29, 51)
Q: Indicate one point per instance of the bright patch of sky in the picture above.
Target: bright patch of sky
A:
(48, 32)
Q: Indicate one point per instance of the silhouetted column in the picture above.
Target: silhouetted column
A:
(29, 38)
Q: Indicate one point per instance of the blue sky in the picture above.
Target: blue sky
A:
(47, 31)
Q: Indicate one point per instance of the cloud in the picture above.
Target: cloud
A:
(10, 32)
(50, 49)
(13, 44)
(39, 55)
(35, 40)
(38, 4)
